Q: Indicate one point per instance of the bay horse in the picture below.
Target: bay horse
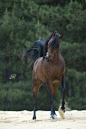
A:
(50, 69)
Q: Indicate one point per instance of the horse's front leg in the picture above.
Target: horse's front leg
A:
(51, 100)
(63, 93)
(62, 108)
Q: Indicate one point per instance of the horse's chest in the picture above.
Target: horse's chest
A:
(54, 73)
(52, 70)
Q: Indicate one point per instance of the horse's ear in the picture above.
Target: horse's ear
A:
(61, 36)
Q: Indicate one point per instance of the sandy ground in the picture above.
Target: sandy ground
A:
(23, 120)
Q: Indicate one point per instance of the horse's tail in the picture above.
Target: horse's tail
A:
(35, 51)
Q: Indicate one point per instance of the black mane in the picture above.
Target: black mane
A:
(54, 43)
(46, 45)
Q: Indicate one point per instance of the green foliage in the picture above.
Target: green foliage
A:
(76, 26)
(59, 2)
(19, 96)
(74, 55)
(76, 85)
(16, 96)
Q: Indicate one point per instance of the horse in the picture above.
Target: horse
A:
(50, 69)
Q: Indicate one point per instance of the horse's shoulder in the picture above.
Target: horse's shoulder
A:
(61, 59)
(38, 63)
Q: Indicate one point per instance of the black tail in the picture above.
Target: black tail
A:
(35, 51)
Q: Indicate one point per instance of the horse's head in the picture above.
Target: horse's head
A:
(53, 45)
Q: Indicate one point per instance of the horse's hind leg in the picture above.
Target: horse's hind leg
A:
(36, 84)
(55, 88)
(63, 93)
(51, 99)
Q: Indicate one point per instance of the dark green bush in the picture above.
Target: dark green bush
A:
(19, 96)
(76, 83)
(74, 55)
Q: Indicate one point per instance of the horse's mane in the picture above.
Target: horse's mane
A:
(46, 45)
(54, 43)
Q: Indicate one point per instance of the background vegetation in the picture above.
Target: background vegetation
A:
(22, 22)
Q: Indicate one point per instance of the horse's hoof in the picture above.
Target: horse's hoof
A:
(61, 113)
(34, 118)
(55, 116)
(51, 117)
